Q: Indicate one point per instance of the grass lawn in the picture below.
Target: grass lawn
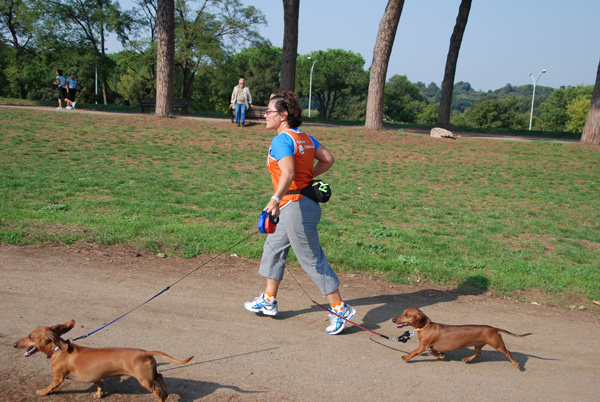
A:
(509, 216)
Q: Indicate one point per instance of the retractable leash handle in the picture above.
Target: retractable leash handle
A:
(266, 223)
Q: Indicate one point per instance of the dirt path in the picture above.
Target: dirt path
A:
(244, 357)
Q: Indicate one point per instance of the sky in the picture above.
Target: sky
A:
(503, 42)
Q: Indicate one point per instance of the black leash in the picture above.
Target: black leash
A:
(402, 338)
(165, 289)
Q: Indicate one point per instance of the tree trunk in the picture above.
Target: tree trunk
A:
(103, 88)
(591, 130)
(451, 61)
(381, 57)
(165, 57)
(291, 11)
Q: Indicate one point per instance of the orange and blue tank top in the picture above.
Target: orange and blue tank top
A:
(302, 146)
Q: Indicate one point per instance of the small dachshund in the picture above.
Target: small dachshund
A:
(441, 338)
(86, 364)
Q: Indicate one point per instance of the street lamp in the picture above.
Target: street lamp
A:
(310, 85)
(533, 95)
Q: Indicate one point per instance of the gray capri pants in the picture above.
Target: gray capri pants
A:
(297, 228)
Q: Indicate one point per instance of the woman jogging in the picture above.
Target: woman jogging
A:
(291, 162)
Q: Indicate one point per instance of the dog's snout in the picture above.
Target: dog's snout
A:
(15, 344)
(394, 320)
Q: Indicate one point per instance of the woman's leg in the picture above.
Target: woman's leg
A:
(334, 297)
(300, 220)
(304, 239)
(272, 267)
(272, 286)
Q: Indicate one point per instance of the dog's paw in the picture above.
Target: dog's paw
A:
(405, 358)
(41, 392)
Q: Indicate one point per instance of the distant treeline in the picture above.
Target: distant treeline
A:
(218, 43)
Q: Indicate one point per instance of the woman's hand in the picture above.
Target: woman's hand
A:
(273, 208)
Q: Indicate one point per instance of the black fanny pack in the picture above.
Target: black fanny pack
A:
(317, 190)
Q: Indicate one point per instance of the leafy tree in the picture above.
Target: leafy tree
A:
(351, 107)
(260, 66)
(430, 92)
(338, 73)
(523, 93)
(207, 33)
(5, 55)
(452, 60)
(18, 21)
(134, 75)
(500, 113)
(428, 113)
(577, 110)
(552, 114)
(381, 57)
(89, 22)
(403, 99)
(464, 96)
(145, 20)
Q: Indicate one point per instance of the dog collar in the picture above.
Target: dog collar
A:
(52, 351)
(419, 329)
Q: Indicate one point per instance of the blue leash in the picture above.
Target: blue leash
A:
(165, 289)
(113, 321)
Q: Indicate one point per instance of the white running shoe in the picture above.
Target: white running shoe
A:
(337, 324)
(59, 108)
(260, 305)
(74, 105)
(69, 108)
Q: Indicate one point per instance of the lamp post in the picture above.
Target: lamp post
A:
(96, 90)
(310, 85)
(533, 95)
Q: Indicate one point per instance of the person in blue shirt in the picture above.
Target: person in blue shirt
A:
(72, 89)
(62, 89)
(294, 160)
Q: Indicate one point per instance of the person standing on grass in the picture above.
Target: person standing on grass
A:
(62, 89)
(241, 100)
(291, 162)
(72, 89)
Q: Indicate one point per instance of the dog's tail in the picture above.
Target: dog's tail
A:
(169, 358)
(511, 334)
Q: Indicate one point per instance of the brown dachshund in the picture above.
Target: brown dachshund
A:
(441, 338)
(85, 364)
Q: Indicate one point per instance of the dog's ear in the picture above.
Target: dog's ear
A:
(63, 328)
(53, 337)
(421, 319)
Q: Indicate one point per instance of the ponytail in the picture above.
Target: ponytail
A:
(287, 101)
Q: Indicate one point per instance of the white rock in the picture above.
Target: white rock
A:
(438, 132)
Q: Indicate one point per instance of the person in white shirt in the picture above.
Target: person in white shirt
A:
(241, 100)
